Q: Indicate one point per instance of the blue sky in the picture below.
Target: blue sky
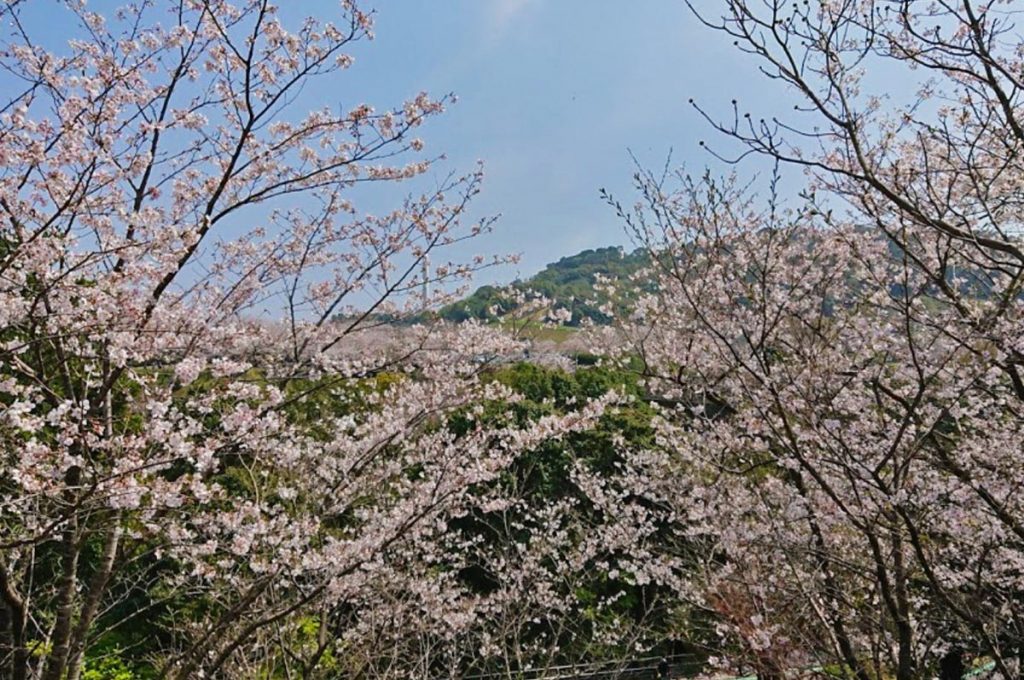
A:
(553, 94)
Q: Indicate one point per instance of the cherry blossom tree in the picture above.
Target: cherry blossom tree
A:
(840, 380)
(822, 411)
(192, 447)
(534, 586)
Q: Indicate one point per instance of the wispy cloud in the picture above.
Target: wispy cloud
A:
(505, 12)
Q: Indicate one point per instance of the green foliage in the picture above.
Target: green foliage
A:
(482, 304)
(110, 660)
(568, 283)
(107, 668)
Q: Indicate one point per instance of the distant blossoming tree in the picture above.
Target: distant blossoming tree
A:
(189, 440)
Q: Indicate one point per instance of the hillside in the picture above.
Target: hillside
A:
(569, 283)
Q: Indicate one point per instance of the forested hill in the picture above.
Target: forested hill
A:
(568, 283)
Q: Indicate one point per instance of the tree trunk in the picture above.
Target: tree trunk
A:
(56, 661)
(904, 631)
(15, 618)
(832, 589)
(97, 588)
